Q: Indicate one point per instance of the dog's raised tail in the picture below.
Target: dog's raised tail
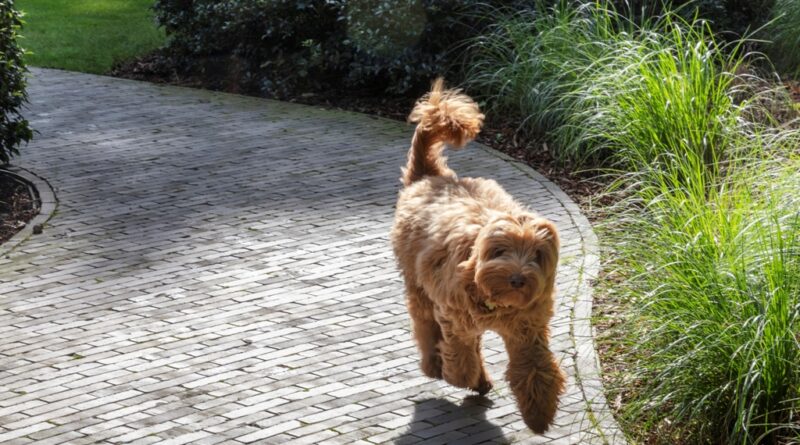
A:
(443, 117)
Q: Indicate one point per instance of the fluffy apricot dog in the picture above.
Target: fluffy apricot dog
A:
(474, 259)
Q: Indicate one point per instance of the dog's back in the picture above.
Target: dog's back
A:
(438, 214)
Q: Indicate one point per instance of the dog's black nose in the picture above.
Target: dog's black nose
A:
(517, 281)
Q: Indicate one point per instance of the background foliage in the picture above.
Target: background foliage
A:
(783, 34)
(731, 17)
(13, 128)
(276, 45)
(394, 46)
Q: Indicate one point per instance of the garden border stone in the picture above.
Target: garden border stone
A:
(43, 195)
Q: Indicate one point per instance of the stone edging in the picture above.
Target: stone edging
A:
(587, 362)
(43, 193)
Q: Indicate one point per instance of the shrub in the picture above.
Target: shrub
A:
(277, 45)
(783, 34)
(13, 128)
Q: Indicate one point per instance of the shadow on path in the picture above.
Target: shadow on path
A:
(438, 421)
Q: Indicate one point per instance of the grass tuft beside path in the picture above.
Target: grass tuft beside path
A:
(87, 35)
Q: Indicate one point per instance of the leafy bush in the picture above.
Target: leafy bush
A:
(396, 46)
(13, 128)
(275, 45)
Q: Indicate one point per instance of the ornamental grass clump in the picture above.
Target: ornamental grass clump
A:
(605, 88)
(707, 239)
(710, 270)
(524, 65)
(659, 99)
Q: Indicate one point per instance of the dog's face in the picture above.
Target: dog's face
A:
(513, 261)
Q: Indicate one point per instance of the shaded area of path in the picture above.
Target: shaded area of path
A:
(218, 271)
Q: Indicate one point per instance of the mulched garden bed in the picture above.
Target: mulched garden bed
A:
(17, 206)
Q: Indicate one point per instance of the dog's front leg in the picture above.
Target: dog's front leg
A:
(426, 330)
(462, 360)
(534, 377)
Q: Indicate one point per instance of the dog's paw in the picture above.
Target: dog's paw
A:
(536, 385)
(432, 366)
(484, 385)
(538, 422)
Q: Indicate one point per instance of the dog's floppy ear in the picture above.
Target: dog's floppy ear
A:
(465, 271)
(468, 251)
(547, 231)
(547, 234)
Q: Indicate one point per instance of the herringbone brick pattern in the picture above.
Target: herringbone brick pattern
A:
(218, 272)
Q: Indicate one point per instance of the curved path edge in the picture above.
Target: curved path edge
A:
(45, 198)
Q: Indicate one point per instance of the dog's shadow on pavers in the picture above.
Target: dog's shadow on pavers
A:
(440, 421)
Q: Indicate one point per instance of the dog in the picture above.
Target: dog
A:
(473, 259)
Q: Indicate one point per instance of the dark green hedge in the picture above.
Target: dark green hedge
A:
(13, 128)
(278, 45)
(731, 18)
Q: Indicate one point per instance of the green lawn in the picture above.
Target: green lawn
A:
(87, 35)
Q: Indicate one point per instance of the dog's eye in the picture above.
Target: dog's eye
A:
(497, 253)
(537, 258)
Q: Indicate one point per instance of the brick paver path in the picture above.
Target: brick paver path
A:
(218, 271)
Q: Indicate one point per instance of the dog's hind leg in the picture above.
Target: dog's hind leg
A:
(534, 377)
(426, 331)
(462, 361)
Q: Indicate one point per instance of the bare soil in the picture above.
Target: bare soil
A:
(17, 206)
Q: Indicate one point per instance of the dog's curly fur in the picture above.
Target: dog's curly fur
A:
(473, 259)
